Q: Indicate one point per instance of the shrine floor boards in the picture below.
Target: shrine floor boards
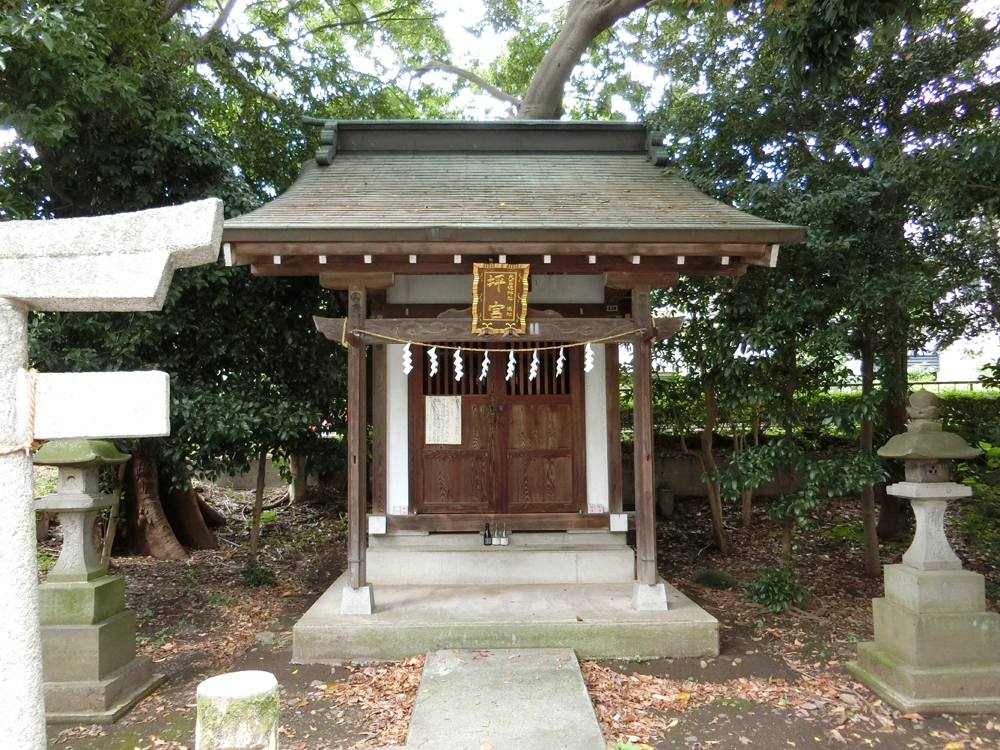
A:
(595, 620)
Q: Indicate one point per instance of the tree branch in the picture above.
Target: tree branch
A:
(219, 22)
(468, 75)
(171, 8)
(231, 73)
(585, 19)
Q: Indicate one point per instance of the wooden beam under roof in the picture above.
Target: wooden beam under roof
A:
(399, 266)
(339, 249)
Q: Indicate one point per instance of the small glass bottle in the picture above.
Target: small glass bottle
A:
(487, 540)
(504, 541)
(496, 535)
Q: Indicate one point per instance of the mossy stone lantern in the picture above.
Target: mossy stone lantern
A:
(927, 452)
(936, 646)
(77, 499)
(90, 671)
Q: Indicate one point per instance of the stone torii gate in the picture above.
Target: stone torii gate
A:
(118, 263)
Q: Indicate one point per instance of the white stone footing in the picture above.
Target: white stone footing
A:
(647, 598)
(236, 711)
(359, 601)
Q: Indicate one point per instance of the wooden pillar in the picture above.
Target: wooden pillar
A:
(642, 381)
(379, 426)
(611, 378)
(357, 434)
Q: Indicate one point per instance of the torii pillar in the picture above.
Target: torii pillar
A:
(116, 263)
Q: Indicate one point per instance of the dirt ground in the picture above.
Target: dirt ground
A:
(778, 683)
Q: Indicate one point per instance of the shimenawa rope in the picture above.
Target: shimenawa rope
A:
(29, 443)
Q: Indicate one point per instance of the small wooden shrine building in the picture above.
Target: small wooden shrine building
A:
(493, 269)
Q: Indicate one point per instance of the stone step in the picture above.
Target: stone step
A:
(528, 699)
(464, 563)
(596, 620)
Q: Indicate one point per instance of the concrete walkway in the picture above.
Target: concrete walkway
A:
(523, 699)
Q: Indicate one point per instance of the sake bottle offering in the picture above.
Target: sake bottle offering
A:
(486, 536)
(496, 535)
(504, 541)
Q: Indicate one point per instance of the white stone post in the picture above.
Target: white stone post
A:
(238, 711)
(22, 718)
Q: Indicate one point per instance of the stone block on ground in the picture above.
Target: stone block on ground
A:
(938, 639)
(237, 711)
(88, 653)
(81, 602)
(928, 591)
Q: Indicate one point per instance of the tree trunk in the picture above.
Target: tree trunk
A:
(747, 507)
(149, 532)
(258, 505)
(585, 19)
(892, 511)
(708, 464)
(213, 519)
(188, 524)
(786, 536)
(297, 489)
(872, 562)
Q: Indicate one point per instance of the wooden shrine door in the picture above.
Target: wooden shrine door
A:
(522, 440)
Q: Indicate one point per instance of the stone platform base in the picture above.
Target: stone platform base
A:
(596, 620)
(934, 690)
(102, 701)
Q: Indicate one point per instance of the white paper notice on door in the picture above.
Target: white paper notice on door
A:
(443, 420)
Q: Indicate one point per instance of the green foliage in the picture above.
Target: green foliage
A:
(850, 532)
(268, 516)
(716, 579)
(255, 573)
(46, 480)
(821, 479)
(978, 517)
(777, 589)
(992, 589)
(46, 559)
(219, 600)
(158, 640)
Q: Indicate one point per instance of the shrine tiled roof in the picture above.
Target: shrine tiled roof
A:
(507, 181)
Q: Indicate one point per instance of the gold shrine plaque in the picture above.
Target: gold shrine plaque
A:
(499, 297)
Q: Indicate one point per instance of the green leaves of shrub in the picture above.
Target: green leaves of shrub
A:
(256, 574)
(777, 589)
(716, 579)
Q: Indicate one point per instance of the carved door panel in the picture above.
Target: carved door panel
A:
(522, 448)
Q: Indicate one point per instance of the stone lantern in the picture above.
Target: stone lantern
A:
(90, 670)
(936, 648)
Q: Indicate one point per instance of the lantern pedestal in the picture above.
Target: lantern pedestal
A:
(936, 648)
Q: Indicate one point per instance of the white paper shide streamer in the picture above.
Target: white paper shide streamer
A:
(511, 364)
(407, 360)
(560, 362)
(432, 355)
(588, 358)
(533, 370)
(459, 369)
(486, 367)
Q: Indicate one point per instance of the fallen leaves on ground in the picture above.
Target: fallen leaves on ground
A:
(384, 693)
(636, 705)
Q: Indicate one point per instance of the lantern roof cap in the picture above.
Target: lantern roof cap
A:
(79, 453)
